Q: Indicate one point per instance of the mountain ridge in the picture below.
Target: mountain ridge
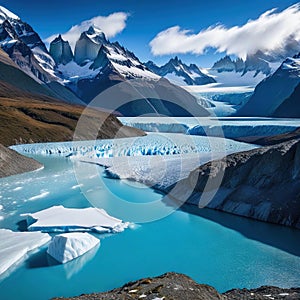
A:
(190, 75)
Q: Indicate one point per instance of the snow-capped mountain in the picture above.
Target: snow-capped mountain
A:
(91, 67)
(179, 73)
(24, 45)
(237, 72)
(96, 63)
(276, 94)
(252, 63)
(27, 50)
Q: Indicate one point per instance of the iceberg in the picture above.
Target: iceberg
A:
(68, 246)
(61, 219)
(14, 246)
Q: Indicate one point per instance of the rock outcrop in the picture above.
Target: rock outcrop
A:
(262, 184)
(178, 287)
(61, 51)
(89, 44)
(12, 163)
(252, 63)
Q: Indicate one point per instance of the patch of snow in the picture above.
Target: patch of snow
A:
(5, 13)
(45, 60)
(67, 246)
(61, 219)
(291, 64)
(134, 72)
(73, 71)
(218, 88)
(1, 207)
(179, 80)
(15, 246)
(237, 79)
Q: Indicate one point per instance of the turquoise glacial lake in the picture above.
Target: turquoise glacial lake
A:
(215, 248)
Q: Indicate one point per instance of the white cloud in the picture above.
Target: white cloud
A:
(110, 25)
(273, 33)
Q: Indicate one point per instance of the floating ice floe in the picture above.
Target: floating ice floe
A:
(68, 246)
(61, 219)
(15, 245)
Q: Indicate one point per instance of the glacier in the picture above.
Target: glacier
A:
(152, 144)
(15, 246)
(61, 219)
(228, 127)
(68, 246)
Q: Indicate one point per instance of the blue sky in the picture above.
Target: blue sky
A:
(146, 19)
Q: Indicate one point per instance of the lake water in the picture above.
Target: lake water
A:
(219, 249)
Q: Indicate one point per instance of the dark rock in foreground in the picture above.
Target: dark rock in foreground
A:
(12, 163)
(181, 287)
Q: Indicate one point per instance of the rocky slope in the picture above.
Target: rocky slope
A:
(276, 95)
(61, 51)
(178, 287)
(262, 184)
(12, 163)
(30, 111)
(180, 73)
(27, 120)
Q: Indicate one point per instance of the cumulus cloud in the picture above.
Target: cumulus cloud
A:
(110, 25)
(273, 33)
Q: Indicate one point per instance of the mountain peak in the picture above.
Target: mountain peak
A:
(58, 39)
(175, 60)
(6, 14)
(91, 30)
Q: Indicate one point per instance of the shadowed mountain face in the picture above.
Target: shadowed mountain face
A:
(277, 94)
(290, 107)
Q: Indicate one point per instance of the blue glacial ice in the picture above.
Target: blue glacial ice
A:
(152, 144)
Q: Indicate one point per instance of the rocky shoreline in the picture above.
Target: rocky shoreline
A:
(263, 184)
(177, 286)
(12, 163)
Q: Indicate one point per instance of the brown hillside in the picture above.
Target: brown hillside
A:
(24, 120)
